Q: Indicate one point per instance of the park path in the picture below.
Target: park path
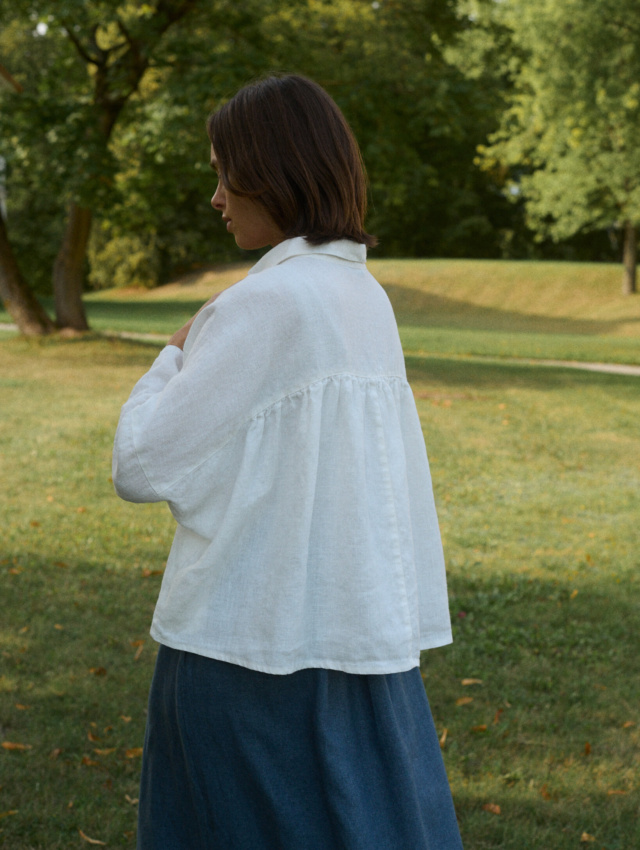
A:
(609, 368)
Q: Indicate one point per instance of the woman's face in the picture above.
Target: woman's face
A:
(251, 224)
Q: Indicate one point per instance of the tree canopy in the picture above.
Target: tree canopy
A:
(105, 152)
(569, 133)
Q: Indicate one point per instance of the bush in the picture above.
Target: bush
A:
(132, 260)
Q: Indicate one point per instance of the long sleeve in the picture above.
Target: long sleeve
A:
(129, 478)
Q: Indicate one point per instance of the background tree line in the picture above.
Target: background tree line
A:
(489, 129)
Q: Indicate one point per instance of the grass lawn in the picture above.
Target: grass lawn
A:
(536, 476)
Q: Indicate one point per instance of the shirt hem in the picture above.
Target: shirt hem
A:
(361, 667)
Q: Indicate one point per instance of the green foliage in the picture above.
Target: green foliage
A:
(124, 261)
(417, 115)
(423, 83)
(569, 134)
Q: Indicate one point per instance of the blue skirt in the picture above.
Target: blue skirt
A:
(315, 760)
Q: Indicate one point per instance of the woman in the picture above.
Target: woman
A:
(287, 710)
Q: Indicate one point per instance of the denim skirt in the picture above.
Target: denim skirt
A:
(314, 760)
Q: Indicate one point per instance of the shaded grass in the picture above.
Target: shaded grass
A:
(536, 478)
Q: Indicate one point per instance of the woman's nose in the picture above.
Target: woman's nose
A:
(217, 202)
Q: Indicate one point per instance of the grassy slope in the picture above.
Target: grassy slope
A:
(568, 311)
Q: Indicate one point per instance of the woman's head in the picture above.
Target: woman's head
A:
(282, 143)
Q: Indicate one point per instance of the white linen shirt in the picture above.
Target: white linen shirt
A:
(286, 441)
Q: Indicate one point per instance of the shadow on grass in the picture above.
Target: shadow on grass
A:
(551, 729)
(556, 672)
(149, 315)
(473, 374)
(414, 307)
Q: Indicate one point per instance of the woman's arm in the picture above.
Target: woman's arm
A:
(192, 400)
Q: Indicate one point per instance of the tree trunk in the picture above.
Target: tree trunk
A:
(18, 300)
(629, 259)
(68, 270)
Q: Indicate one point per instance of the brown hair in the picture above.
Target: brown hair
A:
(283, 142)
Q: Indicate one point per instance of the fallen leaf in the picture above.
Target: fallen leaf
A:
(493, 808)
(105, 752)
(587, 749)
(81, 510)
(464, 700)
(11, 745)
(146, 573)
(481, 728)
(466, 682)
(91, 840)
(133, 753)
(55, 753)
(93, 738)
(90, 762)
(628, 724)
(60, 564)
(497, 716)
(22, 707)
(585, 838)
(24, 630)
(615, 791)
(15, 571)
(574, 593)
(34, 523)
(443, 737)
(125, 718)
(58, 627)
(132, 800)
(98, 671)
(138, 652)
(544, 793)
(10, 812)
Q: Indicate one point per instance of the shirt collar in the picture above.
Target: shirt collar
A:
(343, 249)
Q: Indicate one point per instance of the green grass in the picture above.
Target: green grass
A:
(536, 477)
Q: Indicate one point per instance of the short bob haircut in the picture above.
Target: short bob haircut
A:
(283, 142)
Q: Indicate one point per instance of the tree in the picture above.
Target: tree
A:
(569, 134)
(18, 300)
(417, 115)
(113, 43)
(16, 296)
